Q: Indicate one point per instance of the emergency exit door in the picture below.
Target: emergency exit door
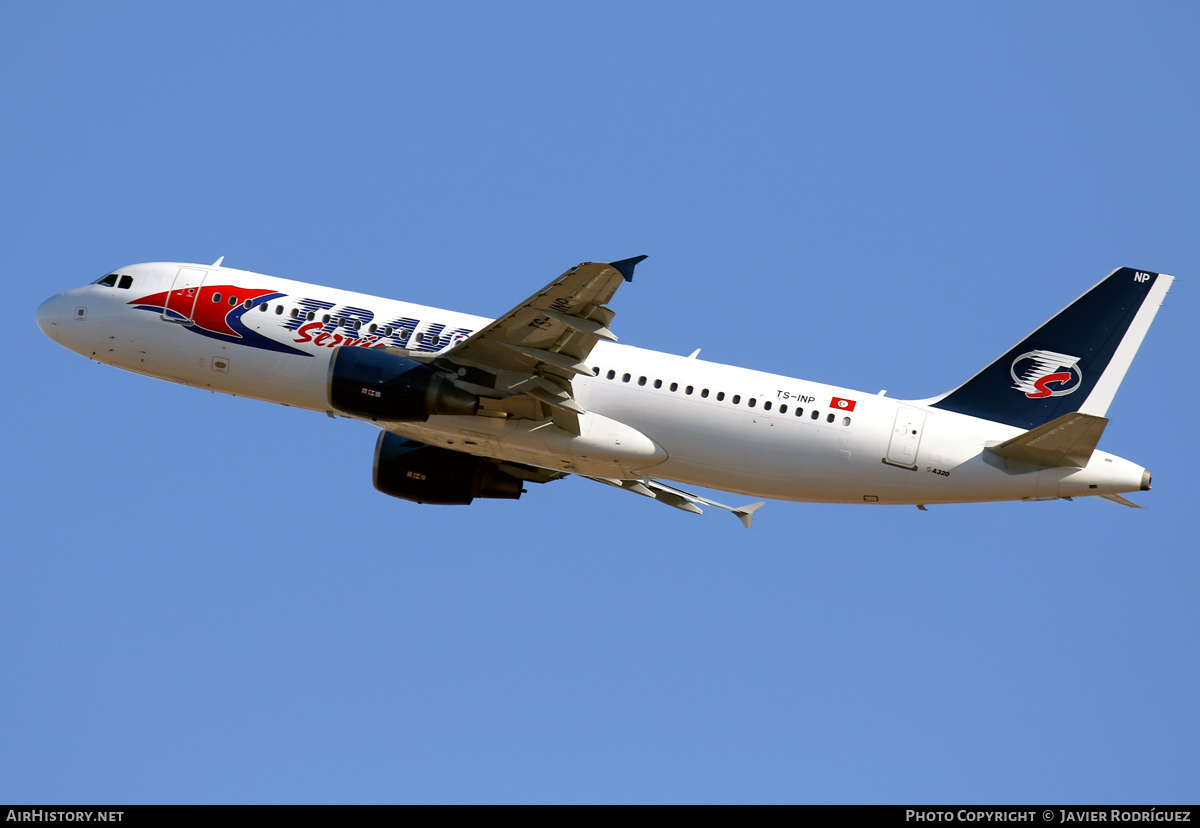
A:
(906, 438)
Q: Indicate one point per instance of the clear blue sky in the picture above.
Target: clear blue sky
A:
(204, 600)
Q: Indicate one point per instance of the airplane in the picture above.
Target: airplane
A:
(471, 407)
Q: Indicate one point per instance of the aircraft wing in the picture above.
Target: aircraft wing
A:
(523, 362)
(678, 498)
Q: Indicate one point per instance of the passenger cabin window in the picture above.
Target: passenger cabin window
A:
(279, 310)
(625, 378)
(641, 380)
(248, 304)
(107, 281)
(750, 403)
(720, 396)
(767, 405)
(816, 415)
(658, 383)
(783, 408)
(688, 390)
(126, 282)
(737, 398)
(704, 392)
(611, 373)
(216, 298)
(233, 300)
(829, 418)
(674, 386)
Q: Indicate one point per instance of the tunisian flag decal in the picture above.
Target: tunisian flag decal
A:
(844, 405)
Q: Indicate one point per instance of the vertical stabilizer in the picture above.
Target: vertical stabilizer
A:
(1074, 362)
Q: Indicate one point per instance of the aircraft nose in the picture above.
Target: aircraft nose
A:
(48, 316)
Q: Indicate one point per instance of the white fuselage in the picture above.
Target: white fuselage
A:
(649, 413)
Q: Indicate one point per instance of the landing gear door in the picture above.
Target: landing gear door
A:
(181, 301)
(906, 437)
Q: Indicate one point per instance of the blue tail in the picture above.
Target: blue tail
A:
(1074, 362)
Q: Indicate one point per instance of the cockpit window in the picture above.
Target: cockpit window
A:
(126, 282)
(108, 281)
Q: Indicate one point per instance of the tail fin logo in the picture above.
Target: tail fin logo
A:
(1046, 374)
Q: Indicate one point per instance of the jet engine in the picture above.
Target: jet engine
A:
(428, 474)
(372, 383)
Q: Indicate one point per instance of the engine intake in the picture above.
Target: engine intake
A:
(371, 383)
(427, 474)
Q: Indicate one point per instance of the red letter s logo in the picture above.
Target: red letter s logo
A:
(1040, 385)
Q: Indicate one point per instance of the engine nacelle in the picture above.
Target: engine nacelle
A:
(428, 474)
(367, 382)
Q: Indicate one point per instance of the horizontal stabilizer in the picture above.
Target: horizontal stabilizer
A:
(1122, 501)
(1067, 441)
